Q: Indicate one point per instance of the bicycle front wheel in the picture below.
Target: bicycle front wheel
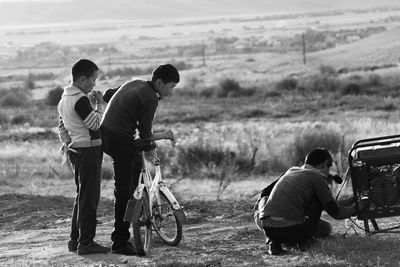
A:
(142, 233)
(166, 224)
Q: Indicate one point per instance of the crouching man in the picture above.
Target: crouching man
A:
(291, 213)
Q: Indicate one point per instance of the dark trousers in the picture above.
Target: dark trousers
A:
(312, 226)
(86, 165)
(127, 163)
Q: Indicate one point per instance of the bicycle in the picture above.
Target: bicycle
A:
(165, 216)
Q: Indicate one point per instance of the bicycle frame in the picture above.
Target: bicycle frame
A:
(154, 185)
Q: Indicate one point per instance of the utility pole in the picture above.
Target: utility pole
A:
(304, 49)
(204, 53)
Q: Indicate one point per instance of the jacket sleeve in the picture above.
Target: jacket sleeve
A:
(91, 118)
(340, 212)
(146, 117)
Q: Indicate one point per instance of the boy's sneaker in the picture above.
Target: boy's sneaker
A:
(72, 245)
(92, 248)
(275, 248)
(127, 249)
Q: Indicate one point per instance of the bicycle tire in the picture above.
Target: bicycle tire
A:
(142, 233)
(167, 225)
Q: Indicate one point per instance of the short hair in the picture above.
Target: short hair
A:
(166, 72)
(83, 67)
(318, 156)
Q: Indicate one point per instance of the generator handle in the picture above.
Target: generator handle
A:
(367, 145)
(383, 140)
(380, 138)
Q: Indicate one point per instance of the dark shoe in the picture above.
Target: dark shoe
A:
(275, 248)
(72, 245)
(92, 248)
(127, 249)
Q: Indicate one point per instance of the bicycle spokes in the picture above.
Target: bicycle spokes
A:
(165, 223)
(162, 214)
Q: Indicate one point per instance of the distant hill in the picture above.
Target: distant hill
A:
(382, 48)
(16, 13)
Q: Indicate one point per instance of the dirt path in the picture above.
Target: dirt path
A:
(34, 231)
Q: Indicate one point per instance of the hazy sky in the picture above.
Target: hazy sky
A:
(18, 13)
(13, 1)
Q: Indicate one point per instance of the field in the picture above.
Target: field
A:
(248, 105)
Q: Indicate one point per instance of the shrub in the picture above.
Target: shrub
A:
(327, 70)
(274, 164)
(288, 83)
(252, 113)
(313, 138)
(273, 93)
(15, 98)
(232, 88)
(207, 92)
(375, 80)
(249, 91)
(54, 96)
(351, 89)
(355, 77)
(21, 119)
(228, 87)
(387, 107)
(320, 83)
(197, 156)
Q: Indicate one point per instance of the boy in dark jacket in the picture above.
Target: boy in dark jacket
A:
(131, 108)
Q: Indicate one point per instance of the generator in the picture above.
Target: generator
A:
(375, 174)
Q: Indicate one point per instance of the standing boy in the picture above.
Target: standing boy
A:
(79, 132)
(132, 108)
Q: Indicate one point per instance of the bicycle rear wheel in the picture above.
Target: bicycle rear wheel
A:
(142, 233)
(166, 224)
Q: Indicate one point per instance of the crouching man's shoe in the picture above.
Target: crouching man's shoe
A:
(92, 248)
(305, 244)
(275, 248)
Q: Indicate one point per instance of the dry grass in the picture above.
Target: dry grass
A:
(274, 140)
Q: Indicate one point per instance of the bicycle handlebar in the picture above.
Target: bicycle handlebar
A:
(144, 145)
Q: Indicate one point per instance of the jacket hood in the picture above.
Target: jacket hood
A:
(72, 90)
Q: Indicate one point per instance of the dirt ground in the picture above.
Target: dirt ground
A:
(34, 231)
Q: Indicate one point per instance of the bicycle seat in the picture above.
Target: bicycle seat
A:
(142, 145)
